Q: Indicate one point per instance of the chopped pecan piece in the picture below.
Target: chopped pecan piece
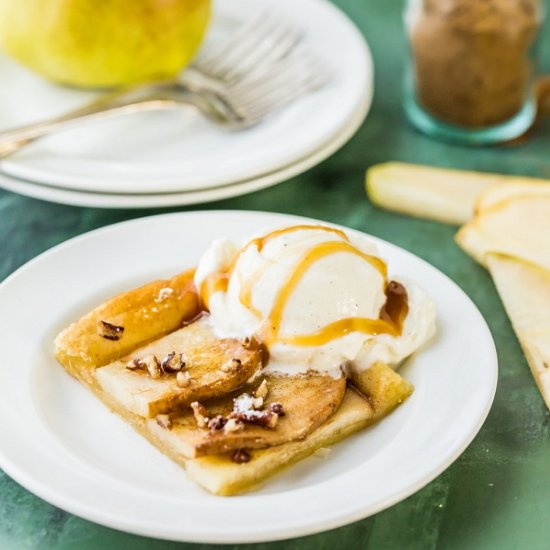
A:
(135, 364)
(152, 365)
(258, 403)
(201, 414)
(277, 408)
(217, 423)
(272, 420)
(247, 402)
(164, 421)
(149, 363)
(183, 379)
(109, 331)
(173, 362)
(232, 425)
(241, 456)
(248, 409)
(267, 419)
(261, 390)
(232, 365)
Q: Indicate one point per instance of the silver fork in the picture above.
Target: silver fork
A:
(263, 39)
(262, 71)
(267, 89)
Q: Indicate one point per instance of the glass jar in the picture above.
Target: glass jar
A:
(470, 77)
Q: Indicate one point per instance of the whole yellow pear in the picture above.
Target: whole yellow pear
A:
(103, 43)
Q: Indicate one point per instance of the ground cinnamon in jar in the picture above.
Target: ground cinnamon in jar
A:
(471, 59)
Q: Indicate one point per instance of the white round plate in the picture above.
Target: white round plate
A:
(159, 200)
(61, 443)
(178, 150)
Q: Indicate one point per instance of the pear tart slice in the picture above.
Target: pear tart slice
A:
(277, 410)
(202, 400)
(190, 364)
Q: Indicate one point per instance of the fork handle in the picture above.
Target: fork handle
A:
(166, 95)
(116, 103)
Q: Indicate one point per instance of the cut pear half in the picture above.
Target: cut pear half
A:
(438, 194)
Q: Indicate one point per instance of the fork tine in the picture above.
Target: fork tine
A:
(261, 110)
(282, 97)
(272, 47)
(246, 36)
(299, 65)
(285, 83)
(263, 67)
(260, 40)
(220, 48)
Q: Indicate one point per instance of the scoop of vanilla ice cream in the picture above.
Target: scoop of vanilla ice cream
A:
(329, 287)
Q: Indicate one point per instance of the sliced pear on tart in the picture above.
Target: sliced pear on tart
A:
(221, 475)
(209, 367)
(298, 404)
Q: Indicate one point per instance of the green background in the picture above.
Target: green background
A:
(497, 494)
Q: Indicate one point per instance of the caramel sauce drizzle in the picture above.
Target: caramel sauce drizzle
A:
(396, 308)
(218, 282)
(391, 317)
(334, 330)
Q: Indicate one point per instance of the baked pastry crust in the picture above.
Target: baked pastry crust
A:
(151, 316)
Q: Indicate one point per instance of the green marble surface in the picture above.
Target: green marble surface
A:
(497, 494)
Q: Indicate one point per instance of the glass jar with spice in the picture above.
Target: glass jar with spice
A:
(472, 67)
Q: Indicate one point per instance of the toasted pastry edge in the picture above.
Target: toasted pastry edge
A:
(218, 474)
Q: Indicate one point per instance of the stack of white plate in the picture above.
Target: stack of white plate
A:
(176, 157)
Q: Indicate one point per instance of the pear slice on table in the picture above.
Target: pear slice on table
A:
(517, 226)
(525, 292)
(427, 192)
(440, 194)
(214, 367)
(307, 402)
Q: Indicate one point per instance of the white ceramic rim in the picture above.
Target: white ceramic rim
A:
(296, 527)
(112, 200)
